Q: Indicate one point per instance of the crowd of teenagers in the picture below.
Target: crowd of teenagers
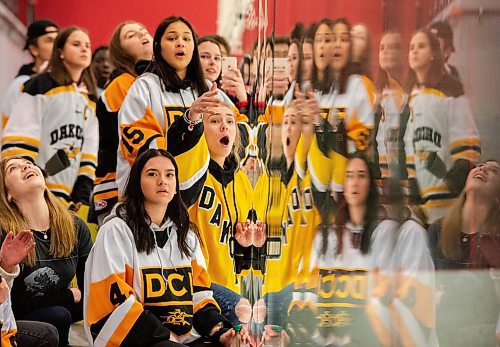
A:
(245, 205)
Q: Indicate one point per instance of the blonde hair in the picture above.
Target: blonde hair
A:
(237, 139)
(62, 221)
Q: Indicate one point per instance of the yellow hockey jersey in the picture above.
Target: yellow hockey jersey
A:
(218, 198)
(325, 162)
(284, 203)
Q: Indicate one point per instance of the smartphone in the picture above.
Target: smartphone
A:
(229, 62)
(278, 66)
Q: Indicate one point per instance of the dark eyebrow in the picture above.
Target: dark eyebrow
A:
(176, 32)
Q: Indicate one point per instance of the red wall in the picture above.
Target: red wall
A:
(379, 15)
(101, 17)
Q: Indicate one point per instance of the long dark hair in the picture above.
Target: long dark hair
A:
(325, 83)
(57, 68)
(436, 71)
(167, 74)
(343, 217)
(132, 209)
(350, 68)
(298, 79)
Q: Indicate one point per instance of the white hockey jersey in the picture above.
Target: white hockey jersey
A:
(442, 130)
(122, 283)
(48, 117)
(7, 324)
(341, 286)
(145, 116)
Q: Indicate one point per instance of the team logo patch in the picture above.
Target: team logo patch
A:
(178, 317)
(99, 205)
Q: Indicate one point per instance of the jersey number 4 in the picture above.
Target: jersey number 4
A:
(116, 297)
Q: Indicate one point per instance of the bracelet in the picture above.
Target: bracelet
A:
(191, 123)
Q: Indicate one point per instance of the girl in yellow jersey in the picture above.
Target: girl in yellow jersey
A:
(283, 201)
(350, 100)
(219, 196)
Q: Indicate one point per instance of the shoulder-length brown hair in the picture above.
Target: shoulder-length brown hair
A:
(122, 61)
(436, 71)
(451, 232)
(62, 221)
(57, 69)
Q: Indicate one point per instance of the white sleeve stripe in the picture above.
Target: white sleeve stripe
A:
(105, 186)
(196, 177)
(314, 178)
(113, 321)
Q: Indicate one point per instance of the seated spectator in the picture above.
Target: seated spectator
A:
(42, 291)
(145, 249)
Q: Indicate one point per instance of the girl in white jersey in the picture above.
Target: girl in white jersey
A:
(443, 131)
(53, 122)
(344, 256)
(147, 277)
(172, 85)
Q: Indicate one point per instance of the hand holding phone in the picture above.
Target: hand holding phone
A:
(277, 71)
(227, 63)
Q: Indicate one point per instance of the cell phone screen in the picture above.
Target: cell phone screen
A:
(228, 62)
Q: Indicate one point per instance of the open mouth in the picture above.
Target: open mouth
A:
(337, 55)
(224, 140)
(180, 54)
(145, 42)
(288, 141)
(481, 177)
(29, 175)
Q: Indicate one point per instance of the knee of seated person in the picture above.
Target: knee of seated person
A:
(60, 316)
(36, 334)
(51, 335)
